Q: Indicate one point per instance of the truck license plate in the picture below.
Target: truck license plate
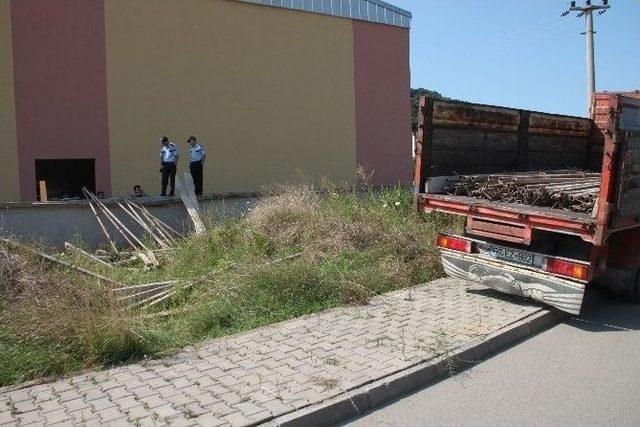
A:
(506, 254)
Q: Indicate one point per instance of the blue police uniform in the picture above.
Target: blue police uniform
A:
(196, 153)
(196, 158)
(169, 153)
(169, 160)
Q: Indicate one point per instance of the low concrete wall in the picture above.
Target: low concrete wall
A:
(54, 223)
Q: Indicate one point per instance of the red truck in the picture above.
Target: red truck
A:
(548, 254)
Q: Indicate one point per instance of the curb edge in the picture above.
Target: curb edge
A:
(371, 396)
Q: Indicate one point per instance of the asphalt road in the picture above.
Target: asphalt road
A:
(583, 372)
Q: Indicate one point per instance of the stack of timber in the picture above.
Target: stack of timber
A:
(162, 236)
(140, 296)
(573, 191)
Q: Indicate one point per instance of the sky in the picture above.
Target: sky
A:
(519, 53)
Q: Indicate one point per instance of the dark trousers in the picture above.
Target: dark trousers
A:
(168, 175)
(196, 174)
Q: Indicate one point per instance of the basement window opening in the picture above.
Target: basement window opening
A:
(65, 178)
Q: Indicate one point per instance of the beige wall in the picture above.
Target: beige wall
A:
(270, 92)
(9, 186)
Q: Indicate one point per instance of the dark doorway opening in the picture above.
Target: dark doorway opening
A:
(66, 177)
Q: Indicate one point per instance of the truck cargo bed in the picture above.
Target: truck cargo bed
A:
(516, 208)
(511, 222)
(457, 139)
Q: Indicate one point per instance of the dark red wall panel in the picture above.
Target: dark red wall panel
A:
(383, 129)
(60, 85)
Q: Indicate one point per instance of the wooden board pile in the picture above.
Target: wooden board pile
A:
(146, 235)
(141, 296)
(161, 234)
(567, 190)
(147, 238)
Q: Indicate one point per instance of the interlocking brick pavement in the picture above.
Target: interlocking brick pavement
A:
(271, 371)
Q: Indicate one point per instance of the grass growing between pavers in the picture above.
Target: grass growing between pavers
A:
(293, 253)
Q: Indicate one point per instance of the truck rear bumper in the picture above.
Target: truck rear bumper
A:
(563, 294)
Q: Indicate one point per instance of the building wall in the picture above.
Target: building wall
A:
(382, 101)
(9, 187)
(60, 85)
(268, 91)
(275, 95)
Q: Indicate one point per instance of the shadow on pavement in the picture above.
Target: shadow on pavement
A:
(603, 312)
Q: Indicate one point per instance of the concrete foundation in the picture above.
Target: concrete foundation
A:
(54, 223)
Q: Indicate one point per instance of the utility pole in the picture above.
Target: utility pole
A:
(587, 12)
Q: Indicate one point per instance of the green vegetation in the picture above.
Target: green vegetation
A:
(293, 253)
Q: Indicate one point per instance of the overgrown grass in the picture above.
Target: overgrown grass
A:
(349, 246)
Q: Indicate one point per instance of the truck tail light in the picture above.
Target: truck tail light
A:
(454, 243)
(568, 269)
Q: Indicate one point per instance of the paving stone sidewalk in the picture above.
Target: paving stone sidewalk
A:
(253, 377)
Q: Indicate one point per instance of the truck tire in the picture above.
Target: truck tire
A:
(636, 291)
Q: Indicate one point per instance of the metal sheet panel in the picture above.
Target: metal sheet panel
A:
(365, 10)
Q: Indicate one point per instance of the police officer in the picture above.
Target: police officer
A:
(168, 162)
(197, 154)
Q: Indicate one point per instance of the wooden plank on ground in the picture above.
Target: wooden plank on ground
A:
(21, 247)
(191, 210)
(72, 248)
(102, 226)
(191, 189)
(157, 220)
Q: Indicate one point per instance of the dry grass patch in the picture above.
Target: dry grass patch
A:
(284, 215)
(351, 246)
(54, 321)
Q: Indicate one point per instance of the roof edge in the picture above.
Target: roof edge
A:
(393, 8)
(376, 11)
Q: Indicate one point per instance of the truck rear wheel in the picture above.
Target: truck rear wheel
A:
(636, 291)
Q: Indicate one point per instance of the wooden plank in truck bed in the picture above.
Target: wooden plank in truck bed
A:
(463, 138)
(543, 123)
(472, 115)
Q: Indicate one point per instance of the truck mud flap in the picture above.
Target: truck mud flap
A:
(565, 295)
